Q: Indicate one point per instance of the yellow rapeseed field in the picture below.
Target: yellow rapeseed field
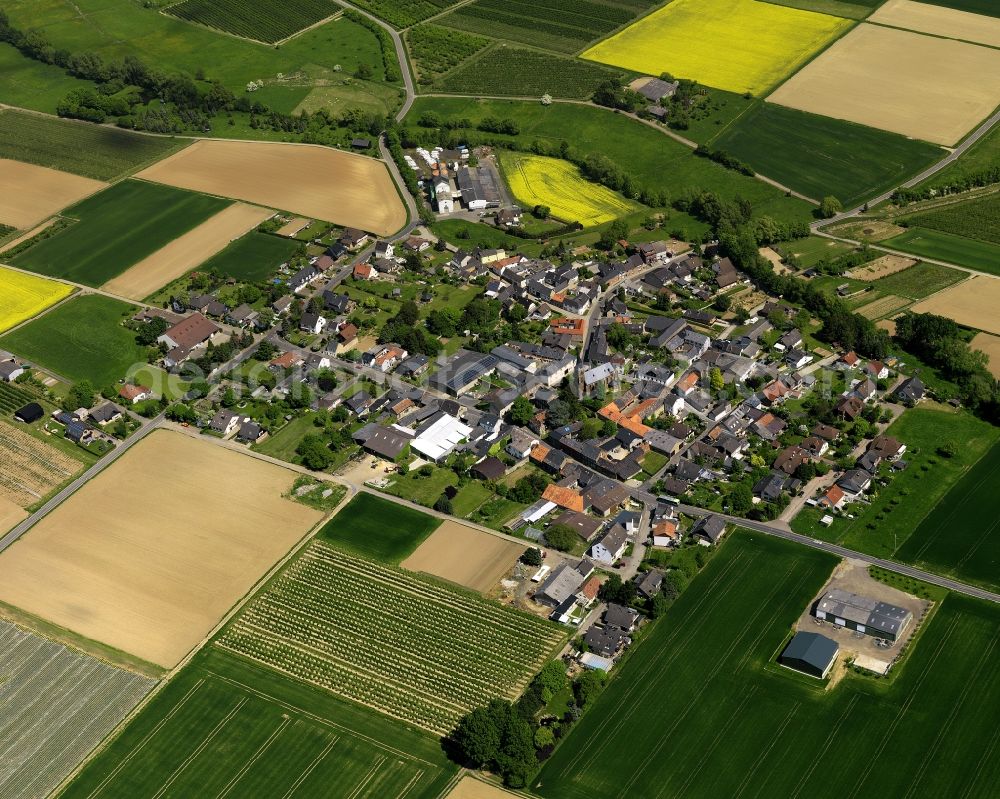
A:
(23, 296)
(537, 180)
(737, 45)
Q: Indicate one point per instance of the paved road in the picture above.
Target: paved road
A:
(79, 482)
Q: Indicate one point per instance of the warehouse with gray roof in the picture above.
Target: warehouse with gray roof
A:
(865, 615)
(810, 653)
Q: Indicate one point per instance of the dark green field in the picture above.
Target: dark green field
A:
(961, 536)
(981, 255)
(379, 529)
(819, 156)
(988, 7)
(851, 9)
(80, 340)
(263, 20)
(93, 151)
(116, 229)
(701, 710)
(252, 258)
(224, 727)
(403, 13)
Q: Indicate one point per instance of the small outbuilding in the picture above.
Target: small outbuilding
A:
(30, 413)
(810, 653)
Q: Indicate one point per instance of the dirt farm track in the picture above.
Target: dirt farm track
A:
(465, 556)
(150, 555)
(313, 181)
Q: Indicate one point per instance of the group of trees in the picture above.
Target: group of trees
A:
(611, 94)
(725, 159)
(956, 185)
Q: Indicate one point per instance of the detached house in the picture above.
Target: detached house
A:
(610, 547)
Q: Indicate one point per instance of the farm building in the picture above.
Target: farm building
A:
(868, 616)
(810, 653)
(31, 412)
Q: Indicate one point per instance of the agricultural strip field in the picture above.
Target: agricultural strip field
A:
(559, 25)
(974, 219)
(115, 229)
(887, 305)
(819, 156)
(413, 649)
(984, 342)
(313, 181)
(403, 13)
(83, 339)
(379, 528)
(972, 303)
(961, 535)
(919, 86)
(179, 256)
(763, 43)
(30, 469)
(435, 50)
(465, 555)
(225, 727)
(266, 21)
(983, 256)
(526, 73)
(725, 720)
(253, 257)
(939, 21)
(915, 283)
(93, 151)
(32, 193)
(880, 268)
(206, 524)
(26, 296)
(538, 180)
(652, 159)
(58, 705)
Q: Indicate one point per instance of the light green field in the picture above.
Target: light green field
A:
(983, 256)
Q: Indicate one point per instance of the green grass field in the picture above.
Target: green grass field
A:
(117, 228)
(225, 727)
(883, 527)
(82, 339)
(916, 282)
(93, 151)
(819, 156)
(981, 255)
(378, 528)
(700, 708)
(27, 83)
(252, 258)
(981, 155)
(960, 536)
(422, 490)
(978, 218)
(813, 249)
(653, 159)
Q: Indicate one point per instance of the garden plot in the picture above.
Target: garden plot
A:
(920, 86)
(29, 193)
(880, 267)
(972, 303)
(30, 469)
(318, 182)
(465, 555)
(883, 306)
(413, 649)
(183, 254)
(57, 706)
(939, 21)
(149, 556)
(991, 346)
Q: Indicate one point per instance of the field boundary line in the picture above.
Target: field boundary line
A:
(379, 762)
(256, 756)
(312, 767)
(763, 756)
(200, 748)
(830, 737)
(986, 758)
(409, 786)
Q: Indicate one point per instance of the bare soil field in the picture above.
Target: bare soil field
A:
(471, 788)
(185, 253)
(988, 344)
(775, 258)
(920, 86)
(29, 193)
(10, 514)
(883, 306)
(888, 325)
(318, 182)
(465, 556)
(939, 21)
(27, 235)
(880, 267)
(30, 469)
(293, 226)
(972, 303)
(149, 556)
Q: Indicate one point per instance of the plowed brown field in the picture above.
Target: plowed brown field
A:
(465, 555)
(29, 193)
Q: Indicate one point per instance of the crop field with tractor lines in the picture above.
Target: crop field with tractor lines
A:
(30, 469)
(266, 21)
(26, 296)
(413, 649)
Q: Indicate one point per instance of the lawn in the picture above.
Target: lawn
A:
(422, 490)
(537, 180)
(721, 718)
(253, 257)
(882, 527)
(653, 462)
(820, 156)
(83, 339)
(763, 43)
(94, 151)
(379, 528)
(654, 161)
(813, 249)
(27, 83)
(117, 228)
(960, 536)
(283, 443)
(469, 498)
(25, 296)
(983, 256)
(463, 233)
(915, 283)
(208, 731)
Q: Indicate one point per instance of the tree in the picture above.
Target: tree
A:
(521, 412)
(658, 604)
(561, 537)
(587, 686)
(616, 590)
(544, 738)
(542, 211)
(740, 498)
(443, 504)
(552, 677)
(179, 412)
(364, 72)
(716, 379)
(722, 303)
(408, 314)
(532, 557)
(80, 395)
(591, 429)
(830, 206)
(499, 738)
(478, 737)
(806, 471)
(149, 332)
(315, 454)
(265, 351)
(228, 397)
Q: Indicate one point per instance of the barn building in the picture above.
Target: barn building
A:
(810, 653)
(868, 616)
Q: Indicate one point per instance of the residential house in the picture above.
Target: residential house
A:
(250, 432)
(854, 482)
(910, 391)
(312, 323)
(365, 272)
(10, 370)
(225, 422)
(709, 530)
(185, 336)
(564, 497)
(106, 413)
(353, 238)
(585, 526)
(521, 443)
(490, 468)
(305, 276)
(620, 617)
(849, 407)
(610, 547)
(650, 584)
(605, 642)
(833, 498)
(135, 394)
(666, 533)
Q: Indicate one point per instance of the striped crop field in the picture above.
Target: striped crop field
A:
(57, 706)
(410, 648)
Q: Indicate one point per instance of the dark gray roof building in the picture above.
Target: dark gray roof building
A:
(810, 653)
(863, 614)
